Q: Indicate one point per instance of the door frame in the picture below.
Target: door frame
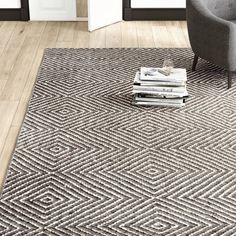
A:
(16, 14)
(130, 14)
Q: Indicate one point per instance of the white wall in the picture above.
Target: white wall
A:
(10, 4)
(158, 3)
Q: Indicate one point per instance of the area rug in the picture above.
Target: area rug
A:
(88, 162)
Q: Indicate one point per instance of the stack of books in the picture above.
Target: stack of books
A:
(152, 88)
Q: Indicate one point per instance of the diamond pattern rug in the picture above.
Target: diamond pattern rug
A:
(87, 162)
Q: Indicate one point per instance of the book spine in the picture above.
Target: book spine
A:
(161, 100)
(171, 94)
(174, 84)
(160, 89)
(162, 79)
(159, 104)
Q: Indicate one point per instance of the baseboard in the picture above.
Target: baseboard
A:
(10, 14)
(154, 14)
(15, 14)
(82, 18)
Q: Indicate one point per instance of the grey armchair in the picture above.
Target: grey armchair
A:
(212, 32)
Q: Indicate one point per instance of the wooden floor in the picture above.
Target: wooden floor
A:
(21, 49)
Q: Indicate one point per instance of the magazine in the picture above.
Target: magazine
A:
(137, 81)
(158, 99)
(181, 91)
(141, 103)
(152, 74)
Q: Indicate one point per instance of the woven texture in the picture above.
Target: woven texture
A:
(89, 163)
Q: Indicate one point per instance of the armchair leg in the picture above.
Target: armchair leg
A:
(195, 61)
(229, 79)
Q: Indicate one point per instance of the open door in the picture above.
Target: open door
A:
(104, 12)
(52, 10)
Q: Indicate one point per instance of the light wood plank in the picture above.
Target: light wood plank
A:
(183, 25)
(66, 35)
(113, 36)
(82, 8)
(19, 74)
(2, 85)
(6, 154)
(176, 33)
(7, 111)
(130, 39)
(161, 35)
(49, 36)
(97, 38)
(145, 34)
(11, 51)
(81, 38)
(6, 31)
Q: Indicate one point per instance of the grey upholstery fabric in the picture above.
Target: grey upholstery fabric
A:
(225, 9)
(212, 31)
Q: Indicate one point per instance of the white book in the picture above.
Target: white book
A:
(158, 96)
(158, 104)
(160, 89)
(160, 100)
(152, 74)
(170, 94)
(137, 81)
